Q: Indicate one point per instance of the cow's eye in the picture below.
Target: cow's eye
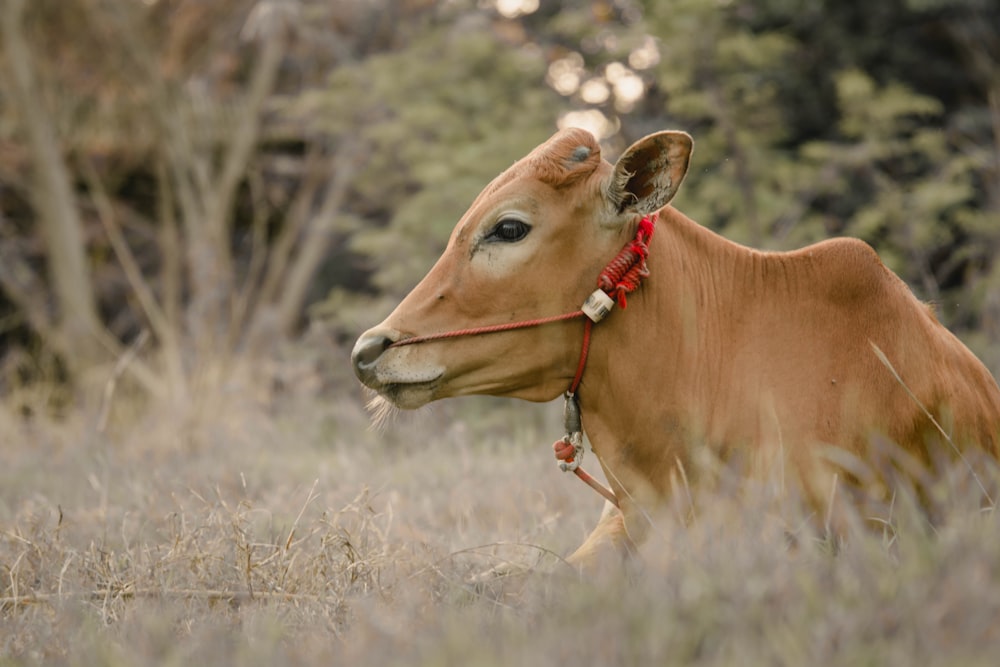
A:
(509, 230)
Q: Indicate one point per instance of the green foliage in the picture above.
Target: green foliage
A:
(919, 196)
(438, 118)
(819, 119)
(810, 120)
(721, 80)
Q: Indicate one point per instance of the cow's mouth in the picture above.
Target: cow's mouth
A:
(410, 395)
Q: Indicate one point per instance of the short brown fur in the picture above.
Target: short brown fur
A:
(723, 346)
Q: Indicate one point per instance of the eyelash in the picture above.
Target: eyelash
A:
(509, 230)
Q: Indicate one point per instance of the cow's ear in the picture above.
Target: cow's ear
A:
(648, 174)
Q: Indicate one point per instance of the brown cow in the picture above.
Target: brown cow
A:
(768, 354)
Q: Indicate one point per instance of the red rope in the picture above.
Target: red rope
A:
(493, 328)
(565, 451)
(588, 326)
(625, 272)
(620, 277)
(597, 486)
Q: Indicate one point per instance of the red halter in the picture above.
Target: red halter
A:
(620, 277)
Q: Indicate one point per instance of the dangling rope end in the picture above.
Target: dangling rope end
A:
(647, 224)
(608, 494)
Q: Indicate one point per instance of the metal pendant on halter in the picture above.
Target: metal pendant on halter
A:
(598, 305)
(574, 433)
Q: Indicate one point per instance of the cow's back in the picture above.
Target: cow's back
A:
(800, 334)
(850, 311)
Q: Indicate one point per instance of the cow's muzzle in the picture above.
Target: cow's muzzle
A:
(366, 354)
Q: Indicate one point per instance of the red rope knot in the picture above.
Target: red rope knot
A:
(564, 450)
(625, 272)
(569, 451)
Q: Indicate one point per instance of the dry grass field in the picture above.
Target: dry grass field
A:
(289, 532)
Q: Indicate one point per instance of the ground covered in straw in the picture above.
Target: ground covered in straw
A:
(291, 533)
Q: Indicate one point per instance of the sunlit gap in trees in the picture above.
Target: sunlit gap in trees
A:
(514, 8)
(616, 82)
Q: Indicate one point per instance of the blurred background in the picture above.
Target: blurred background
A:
(196, 185)
(204, 202)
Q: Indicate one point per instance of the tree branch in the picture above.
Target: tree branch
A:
(316, 240)
(295, 221)
(163, 329)
(52, 196)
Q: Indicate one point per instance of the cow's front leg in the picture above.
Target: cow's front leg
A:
(608, 545)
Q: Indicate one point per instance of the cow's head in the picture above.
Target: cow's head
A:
(531, 245)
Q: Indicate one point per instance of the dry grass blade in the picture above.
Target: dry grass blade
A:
(885, 362)
(160, 593)
(828, 519)
(116, 374)
(309, 499)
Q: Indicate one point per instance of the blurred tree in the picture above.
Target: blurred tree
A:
(193, 123)
(814, 119)
(722, 78)
(434, 120)
(207, 170)
(217, 154)
(72, 324)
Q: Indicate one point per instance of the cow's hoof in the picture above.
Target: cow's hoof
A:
(516, 584)
(506, 581)
(498, 573)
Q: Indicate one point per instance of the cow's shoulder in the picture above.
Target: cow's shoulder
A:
(849, 271)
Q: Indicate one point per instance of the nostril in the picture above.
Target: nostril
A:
(366, 353)
(369, 349)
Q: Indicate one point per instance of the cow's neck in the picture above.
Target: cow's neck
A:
(655, 367)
